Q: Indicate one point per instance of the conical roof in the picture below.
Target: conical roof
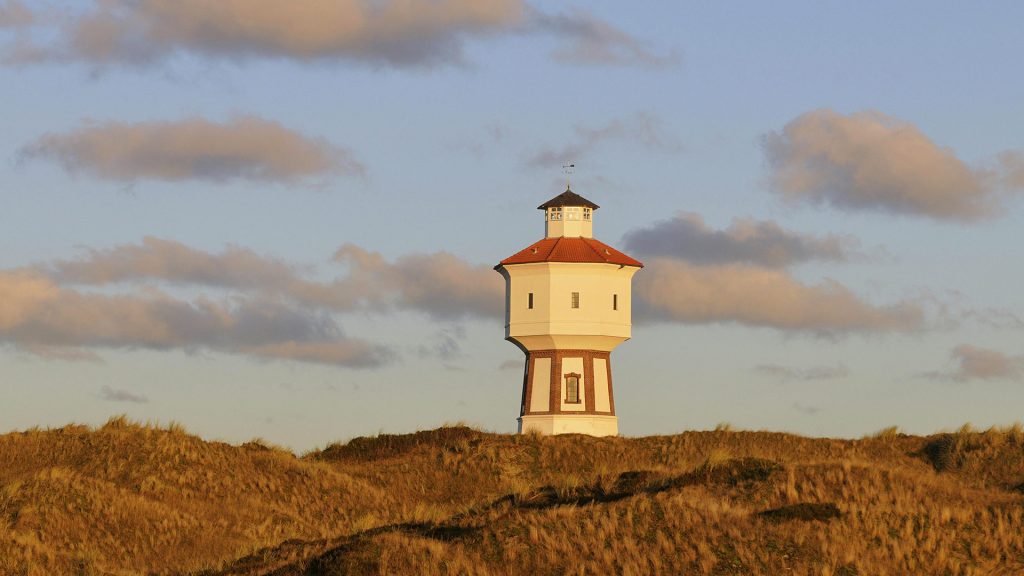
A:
(564, 249)
(568, 198)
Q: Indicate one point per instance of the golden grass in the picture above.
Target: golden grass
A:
(128, 498)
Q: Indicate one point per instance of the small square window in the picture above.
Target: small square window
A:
(575, 299)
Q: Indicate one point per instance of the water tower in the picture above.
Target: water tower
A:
(567, 306)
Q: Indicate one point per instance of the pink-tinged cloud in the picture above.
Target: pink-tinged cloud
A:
(349, 352)
(38, 316)
(14, 14)
(268, 308)
(446, 287)
(590, 40)
(396, 33)
(745, 241)
(393, 33)
(640, 130)
(244, 148)
(441, 285)
(174, 263)
(22, 293)
(870, 161)
(676, 291)
(1011, 165)
(975, 363)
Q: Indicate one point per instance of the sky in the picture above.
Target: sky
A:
(279, 220)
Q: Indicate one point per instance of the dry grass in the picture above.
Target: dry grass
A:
(138, 499)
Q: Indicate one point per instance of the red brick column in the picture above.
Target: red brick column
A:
(558, 381)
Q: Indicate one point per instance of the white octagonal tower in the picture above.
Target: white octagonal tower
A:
(567, 306)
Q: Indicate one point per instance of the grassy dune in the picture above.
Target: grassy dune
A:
(132, 499)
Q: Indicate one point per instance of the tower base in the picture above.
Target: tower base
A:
(550, 424)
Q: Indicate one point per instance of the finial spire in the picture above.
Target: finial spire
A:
(568, 169)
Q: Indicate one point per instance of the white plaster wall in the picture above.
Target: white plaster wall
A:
(601, 401)
(540, 397)
(570, 424)
(572, 365)
(594, 325)
(571, 225)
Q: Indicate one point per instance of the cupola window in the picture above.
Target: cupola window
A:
(586, 213)
(575, 299)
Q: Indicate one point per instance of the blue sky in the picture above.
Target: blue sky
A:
(239, 227)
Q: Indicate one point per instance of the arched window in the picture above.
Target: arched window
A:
(572, 388)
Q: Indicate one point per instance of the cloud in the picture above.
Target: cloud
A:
(804, 374)
(698, 275)
(245, 148)
(745, 241)
(488, 138)
(511, 365)
(1011, 167)
(38, 315)
(14, 14)
(400, 33)
(974, 363)
(269, 309)
(594, 41)
(396, 33)
(347, 352)
(677, 291)
(64, 353)
(111, 395)
(1000, 318)
(175, 263)
(870, 161)
(445, 287)
(445, 344)
(441, 285)
(641, 129)
(805, 409)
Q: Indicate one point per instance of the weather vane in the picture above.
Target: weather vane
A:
(568, 169)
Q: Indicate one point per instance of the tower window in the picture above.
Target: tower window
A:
(615, 301)
(586, 213)
(575, 299)
(572, 388)
(529, 301)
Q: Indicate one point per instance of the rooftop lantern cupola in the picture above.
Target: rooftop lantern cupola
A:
(567, 306)
(568, 214)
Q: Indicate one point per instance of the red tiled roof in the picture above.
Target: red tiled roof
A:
(564, 249)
